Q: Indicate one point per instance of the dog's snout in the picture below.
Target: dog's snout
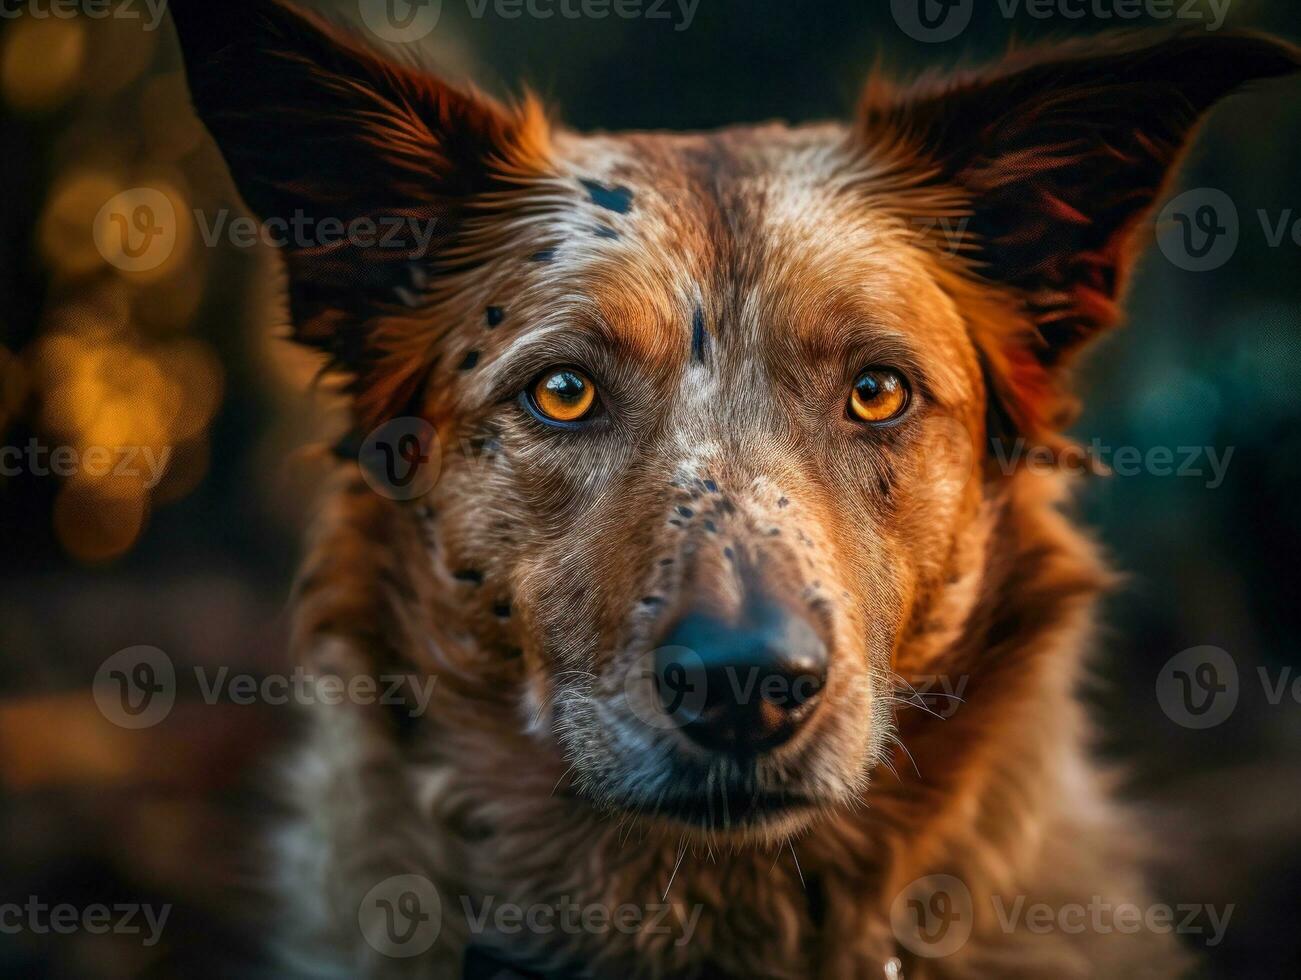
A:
(741, 689)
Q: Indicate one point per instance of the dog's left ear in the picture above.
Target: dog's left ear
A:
(1060, 153)
(379, 177)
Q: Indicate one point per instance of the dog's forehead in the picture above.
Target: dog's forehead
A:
(753, 251)
(768, 224)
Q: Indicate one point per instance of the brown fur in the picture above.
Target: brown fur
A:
(806, 252)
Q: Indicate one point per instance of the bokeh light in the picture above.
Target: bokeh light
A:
(113, 370)
(42, 62)
(99, 520)
(64, 230)
(145, 405)
(121, 52)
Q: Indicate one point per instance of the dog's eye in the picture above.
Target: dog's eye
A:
(564, 395)
(879, 395)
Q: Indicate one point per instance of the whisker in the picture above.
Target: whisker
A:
(924, 707)
(899, 742)
(889, 764)
(681, 854)
(790, 841)
(579, 673)
(562, 778)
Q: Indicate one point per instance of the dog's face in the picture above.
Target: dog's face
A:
(712, 409)
(723, 464)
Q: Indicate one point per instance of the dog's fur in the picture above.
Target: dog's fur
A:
(724, 289)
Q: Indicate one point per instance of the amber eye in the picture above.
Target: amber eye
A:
(563, 395)
(879, 395)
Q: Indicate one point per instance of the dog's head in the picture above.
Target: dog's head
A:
(712, 409)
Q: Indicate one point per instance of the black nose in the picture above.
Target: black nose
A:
(740, 689)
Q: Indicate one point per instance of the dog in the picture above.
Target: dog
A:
(710, 416)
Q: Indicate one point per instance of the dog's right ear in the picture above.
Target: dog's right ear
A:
(318, 130)
(1057, 156)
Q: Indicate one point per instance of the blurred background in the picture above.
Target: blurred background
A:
(186, 361)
